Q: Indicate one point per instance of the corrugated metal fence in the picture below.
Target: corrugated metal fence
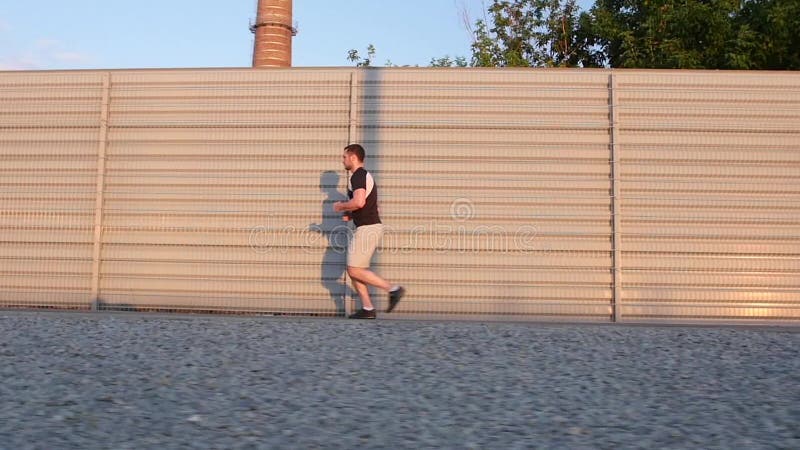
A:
(567, 194)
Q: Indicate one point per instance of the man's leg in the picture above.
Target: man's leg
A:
(359, 252)
(363, 292)
(366, 276)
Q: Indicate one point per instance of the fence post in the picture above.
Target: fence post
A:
(613, 116)
(99, 191)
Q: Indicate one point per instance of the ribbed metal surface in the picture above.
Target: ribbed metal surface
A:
(213, 180)
(494, 187)
(212, 190)
(48, 142)
(710, 206)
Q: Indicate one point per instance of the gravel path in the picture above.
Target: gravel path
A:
(137, 381)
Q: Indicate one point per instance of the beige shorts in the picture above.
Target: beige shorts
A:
(363, 244)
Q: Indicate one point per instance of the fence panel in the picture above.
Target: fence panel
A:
(215, 182)
(49, 126)
(710, 206)
(494, 189)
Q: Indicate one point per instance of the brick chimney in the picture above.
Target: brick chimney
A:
(273, 29)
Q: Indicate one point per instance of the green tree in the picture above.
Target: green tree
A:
(698, 34)
(770, 31)
(669, 34)
(534, 33)
(354, 57)
(446, 61)
(686, 34)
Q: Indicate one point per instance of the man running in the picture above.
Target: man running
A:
(362, 209)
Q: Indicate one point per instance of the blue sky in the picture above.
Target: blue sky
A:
(114, 34)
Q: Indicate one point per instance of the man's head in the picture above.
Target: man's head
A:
(353, 156)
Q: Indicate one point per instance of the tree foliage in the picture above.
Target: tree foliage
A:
(534, 33)
(699, 34)
(447, 61)
(354, 56)
(685, 34)
(360, 61)
(667, 34)
(770, 32)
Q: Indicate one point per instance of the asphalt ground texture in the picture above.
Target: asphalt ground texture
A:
(116, 380)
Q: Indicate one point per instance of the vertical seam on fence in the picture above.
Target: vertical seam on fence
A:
(99, 191)
(613, 105)
(351, 134)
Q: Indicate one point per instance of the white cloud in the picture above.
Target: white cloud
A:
(72, 57)
(46, 43)
(55, 51)
(18, 62)
(45, 54)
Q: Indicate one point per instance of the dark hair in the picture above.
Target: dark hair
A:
(357, 150)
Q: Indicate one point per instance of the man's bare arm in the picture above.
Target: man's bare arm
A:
(357, 202)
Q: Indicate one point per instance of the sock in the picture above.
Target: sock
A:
(368, 309)
(394, 288)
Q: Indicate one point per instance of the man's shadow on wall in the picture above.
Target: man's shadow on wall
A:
(336, 232)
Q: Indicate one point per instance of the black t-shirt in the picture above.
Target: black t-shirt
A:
(368, 215)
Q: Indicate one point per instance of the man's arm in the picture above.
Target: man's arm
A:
(357, 202)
